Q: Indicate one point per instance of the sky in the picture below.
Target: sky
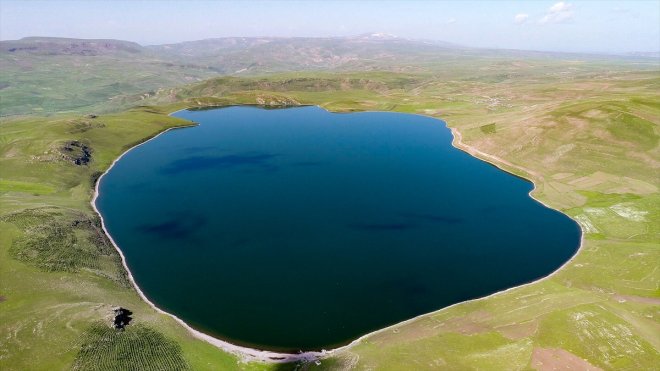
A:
(571, 26)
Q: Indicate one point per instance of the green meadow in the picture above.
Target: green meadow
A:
(585, 132)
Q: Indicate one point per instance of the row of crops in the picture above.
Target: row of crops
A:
(137, 347)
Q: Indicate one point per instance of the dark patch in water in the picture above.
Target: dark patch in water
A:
(259, 161)
(199, 149)
(434, 218)
(179, 228)
(308, 163)
(381, 226)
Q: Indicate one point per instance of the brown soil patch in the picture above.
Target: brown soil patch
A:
(561, 176)
(2, 298)
(470, 324)
(465, 327)
(412, 331)
(637, 299)
(595, 113)
(458, 142)
(518, 331)
(646, 158)
(579, 124)
(11, 152)
(546, 359)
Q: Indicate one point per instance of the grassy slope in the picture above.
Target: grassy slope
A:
(47, 315)
(591, 146)
(587, 137)
(48, 75)
(70, 83)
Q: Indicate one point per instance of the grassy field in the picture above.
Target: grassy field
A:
(585, 132)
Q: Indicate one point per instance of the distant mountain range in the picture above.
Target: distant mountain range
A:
(61, 46)
(235, 55)
(47, 74)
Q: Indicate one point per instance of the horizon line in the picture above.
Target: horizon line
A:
(374, 35)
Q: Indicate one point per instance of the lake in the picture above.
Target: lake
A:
(300, 229)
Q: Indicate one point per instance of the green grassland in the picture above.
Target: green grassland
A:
(45, 84)
(586, 133)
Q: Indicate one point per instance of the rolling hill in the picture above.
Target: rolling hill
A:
(42, 75)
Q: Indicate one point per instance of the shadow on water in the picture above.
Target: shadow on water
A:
(258, 160)
(309, 163)
(199, 149)
(177, 228)
(372, 227)
(434, 218)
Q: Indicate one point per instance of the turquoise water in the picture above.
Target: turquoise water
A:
(302, 229)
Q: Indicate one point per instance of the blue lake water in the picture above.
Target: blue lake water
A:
(302, 229)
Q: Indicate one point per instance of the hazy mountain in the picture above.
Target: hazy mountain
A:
(236, 55)
(41, 75)
(46, 74)
(63, 46)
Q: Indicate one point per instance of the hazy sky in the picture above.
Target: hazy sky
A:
(589, 26)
